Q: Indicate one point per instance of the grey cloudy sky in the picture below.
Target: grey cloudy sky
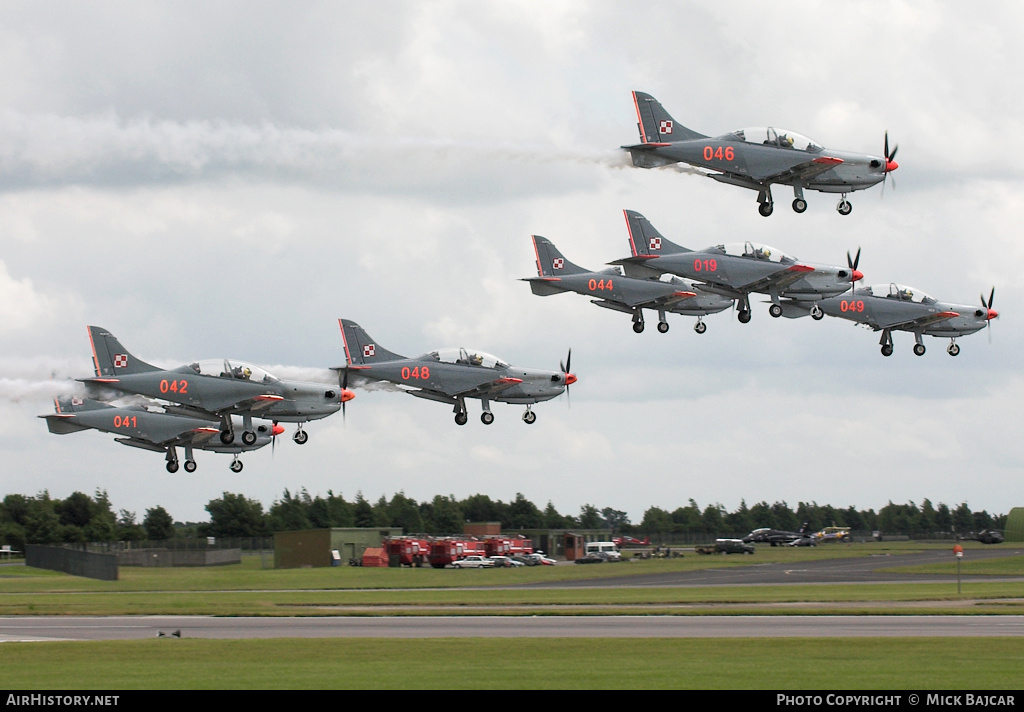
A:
(226, 180)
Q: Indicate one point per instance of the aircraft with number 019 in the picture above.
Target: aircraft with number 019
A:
(451, 375)
(756, 158)
(734, 270)
(613, 290)
(895, 307)
(158, 431)
(218, 387)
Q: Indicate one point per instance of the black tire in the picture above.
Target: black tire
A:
(887, 349)
(226, 437)
(662, 326)
(190, 465)
(487, 417)
(638, 327)
(799, 205)
(461, 418)
(919, 349)
(775, 310)
(744, 316)
(765, 209)
(300, 437)
(700, 327)
(248, 437)
(172, 467)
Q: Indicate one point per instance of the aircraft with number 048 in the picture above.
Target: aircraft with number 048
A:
(734, 270)
(757, 158)
(158, 431)
(626, 294)
(216, 389)
(451, 375)
(895, 307)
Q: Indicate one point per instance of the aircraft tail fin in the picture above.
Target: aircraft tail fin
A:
(551, 262)
(360, 348)
(657, 125)
(63, 420)
(645, 240)
(110, 359)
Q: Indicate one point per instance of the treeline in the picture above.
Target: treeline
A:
(80, 518)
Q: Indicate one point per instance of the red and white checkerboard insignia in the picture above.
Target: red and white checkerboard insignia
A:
(558, 263)
(655, 243)
(76, 401)
(665, 127)
(369, 350)
(120, 360)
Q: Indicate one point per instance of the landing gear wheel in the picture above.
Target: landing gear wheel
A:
(887, 350)
(248, 437)
(765, 209)
(172, 467)
(638, 327)
(529, 417)
(844, 207)
(662, 326)
(775, 310)
(487, 417)
(300, 437)
(799, 205)
(953, 350)
(236, 466)
(919, 349)
(190, 465)
(226, 437)
(743, 316)
(461, 418)
(700, 327)
(816, 313)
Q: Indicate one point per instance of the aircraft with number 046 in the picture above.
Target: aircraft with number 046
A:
(618, 292)
(734, 270)
(216, 389)
(154, 430)
(451, 375)
(895, 307)
(756, 158)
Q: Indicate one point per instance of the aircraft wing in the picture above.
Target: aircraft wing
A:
(803, 172)
(254, 405)
(484, 389)
(666, 301)
(780, 279)
(919, 322)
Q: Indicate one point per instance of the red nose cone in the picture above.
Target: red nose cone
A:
(891, 166)
(992, 314)
(278, 429)
(346, 395)
(570, 379)
(856, 276)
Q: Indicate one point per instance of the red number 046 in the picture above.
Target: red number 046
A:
(711, 153)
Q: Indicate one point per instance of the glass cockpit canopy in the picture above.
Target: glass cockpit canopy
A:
(229, 368)
(466, 357)
(770, 136)
(754, 251)
(899, 292)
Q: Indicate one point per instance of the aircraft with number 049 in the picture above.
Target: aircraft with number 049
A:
(626, 294)
(451, 375)
(217, 389)
(734, 270)
(757, 158)
(158, 431)
(895, 307)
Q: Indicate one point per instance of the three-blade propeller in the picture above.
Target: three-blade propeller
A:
(990, 312)
(852, 262)
(890, 164)
(567, 375)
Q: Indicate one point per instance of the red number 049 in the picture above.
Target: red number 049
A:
(853, 306)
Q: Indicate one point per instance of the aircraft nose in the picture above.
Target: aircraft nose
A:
(277, 430)
(891, 165)
(992, 314)
(570, 379)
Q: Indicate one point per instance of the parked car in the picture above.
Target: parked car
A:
(473, 562)
(540, 558)
(591, 559)
(504, 562)
(733, 546)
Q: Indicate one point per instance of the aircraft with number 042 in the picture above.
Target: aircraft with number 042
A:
(734, 270)
(216, 389)
(154, 430)
(895, 307)
(615, 291)
(757, 158)
(451, 375)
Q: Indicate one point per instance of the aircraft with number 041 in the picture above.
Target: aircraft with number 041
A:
(734, 270)
(757, 158)
(154, 430)
(451, 375)
(615, 291)
(895, 307)
(216, 389)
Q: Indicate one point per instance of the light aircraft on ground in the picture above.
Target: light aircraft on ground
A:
(218, 387)
(756, 158)
(154, 430)
(556, 275)
(734, 270)
(452, 375)
(777, 537)
(895, 307)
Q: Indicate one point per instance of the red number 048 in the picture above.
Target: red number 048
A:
(417, 372)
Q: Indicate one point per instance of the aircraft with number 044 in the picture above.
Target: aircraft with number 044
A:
(451, 375)
(757, 158)
(734, 270)
(895, 307)
(154, 430)
(615, 291)
(216, 389)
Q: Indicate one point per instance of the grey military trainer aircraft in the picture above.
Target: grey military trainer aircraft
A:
(896, 307)
(158, 431)
(556, 275)
(756, 158)
(218, 387)
(734, 270)
(452, 375)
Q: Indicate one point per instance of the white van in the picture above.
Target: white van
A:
(604, 547)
